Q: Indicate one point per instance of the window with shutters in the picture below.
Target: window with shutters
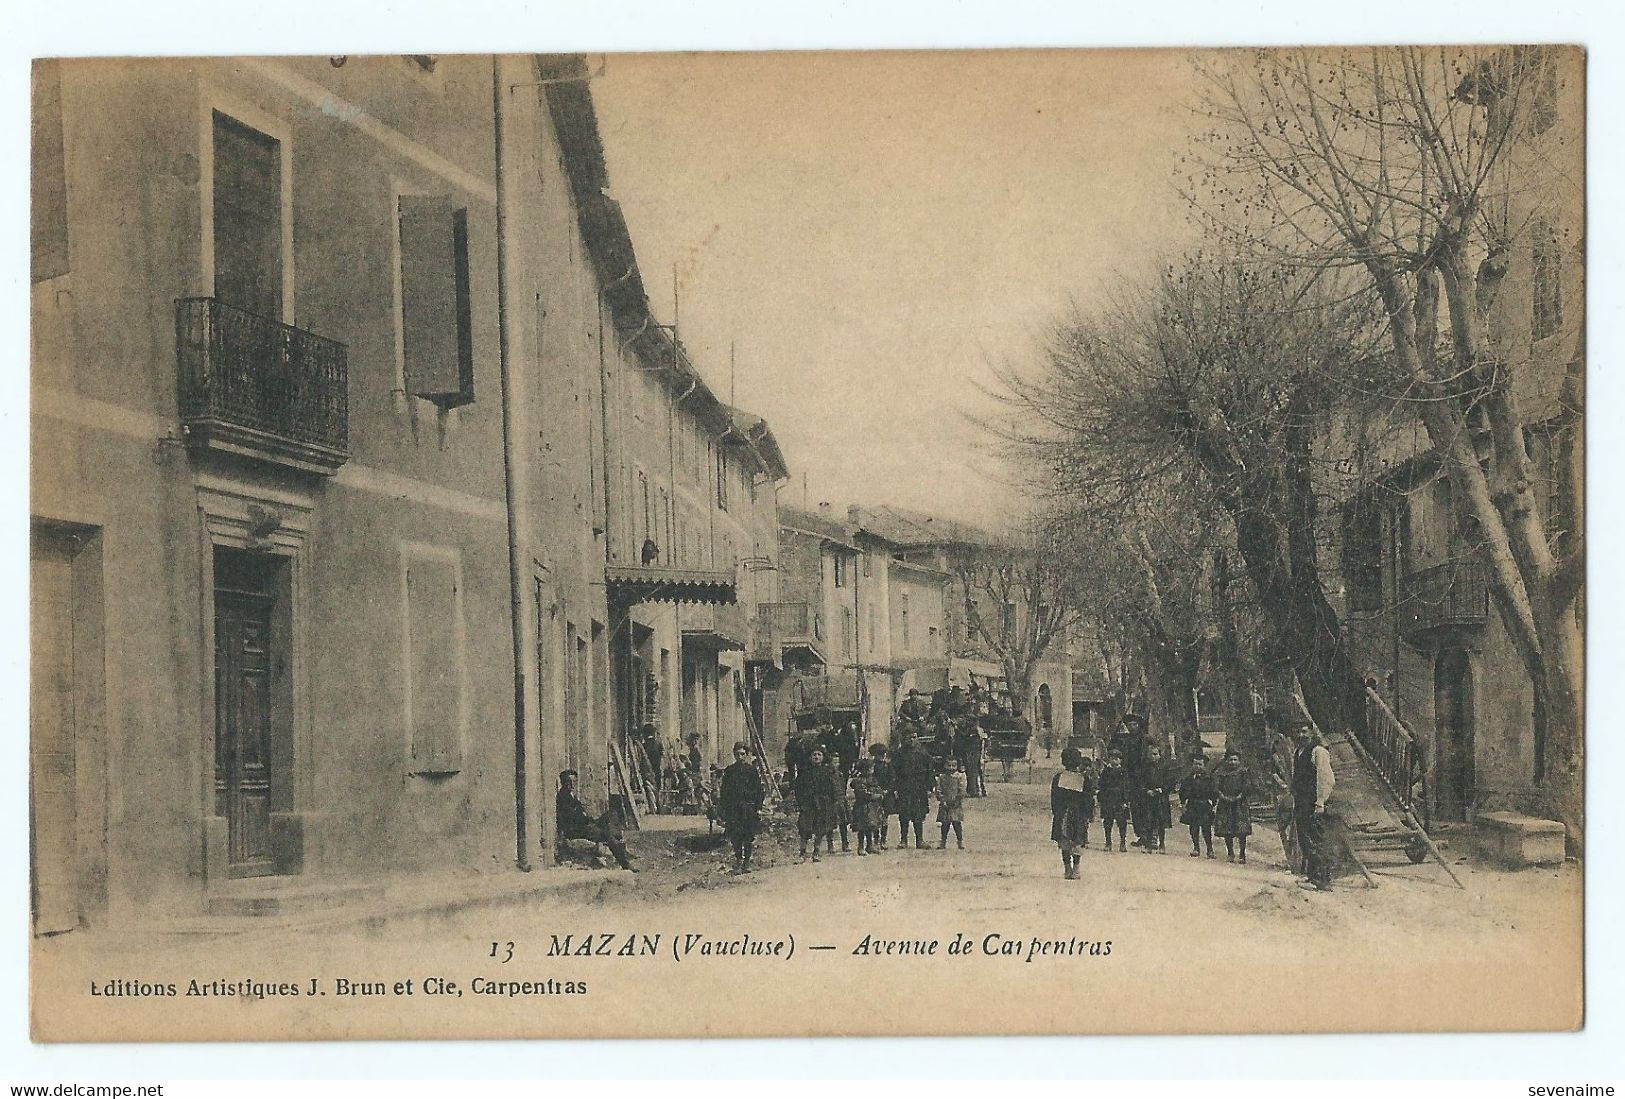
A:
(433, 660)
(436, 314)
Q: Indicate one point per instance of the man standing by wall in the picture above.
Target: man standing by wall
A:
(1312, 782)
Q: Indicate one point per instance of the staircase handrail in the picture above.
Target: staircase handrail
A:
(1391, 747)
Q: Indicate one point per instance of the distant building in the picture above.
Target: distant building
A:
(924, 546)
(873, 606)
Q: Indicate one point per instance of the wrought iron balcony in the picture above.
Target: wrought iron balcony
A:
(719, 626)
(788, 621)
(782, 625)
(1452, 595)
(253, 386)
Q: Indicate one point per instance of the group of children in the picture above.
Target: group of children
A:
(1211, 799)
(880, 786)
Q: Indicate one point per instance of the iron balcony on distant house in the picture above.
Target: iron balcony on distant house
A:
(253, 386)
(1452, 595)
(781, 626)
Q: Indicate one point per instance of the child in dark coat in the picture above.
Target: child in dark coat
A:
(868, 806)
(1232, 817)
(1152, 816)
(1113, 790)
(882, 778)
(817, 787)
(1197, 795)
(739, 805)
(1070, 809)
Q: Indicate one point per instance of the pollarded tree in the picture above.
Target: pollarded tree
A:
(1216, 387)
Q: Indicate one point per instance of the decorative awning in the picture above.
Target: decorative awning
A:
(712, 639)
(632, 584)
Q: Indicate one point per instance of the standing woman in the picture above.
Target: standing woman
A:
(739, 805)
(1233, 820)
(1070, 810)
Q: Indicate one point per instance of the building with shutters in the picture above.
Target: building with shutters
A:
(1414, 590)
(687, 519)
(345, 478)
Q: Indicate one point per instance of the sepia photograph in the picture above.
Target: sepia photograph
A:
(821, 543)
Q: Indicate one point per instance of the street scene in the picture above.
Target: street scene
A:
(511, 516)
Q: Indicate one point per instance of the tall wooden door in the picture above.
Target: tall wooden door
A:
(1455, 781)
(53, 817)
(242, 741)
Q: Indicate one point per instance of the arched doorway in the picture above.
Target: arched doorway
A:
(1454, 780)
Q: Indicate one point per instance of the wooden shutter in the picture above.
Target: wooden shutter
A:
(429, 297)
(52, 740)
(465, 312)
(50, 189)
(434, 668)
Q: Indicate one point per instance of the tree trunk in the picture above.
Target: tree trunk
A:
(1243, 732)
(1306, 627)
(1562, 695)
(1173, 671)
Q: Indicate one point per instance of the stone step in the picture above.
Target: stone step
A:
(271, 896)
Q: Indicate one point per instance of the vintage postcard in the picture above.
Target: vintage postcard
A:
(1008, 542)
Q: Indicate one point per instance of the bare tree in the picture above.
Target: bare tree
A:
(1423, 170)
(1214, 390)
(1019, 600)
(1143, 577)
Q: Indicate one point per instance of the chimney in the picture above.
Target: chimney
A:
(823, 507)
(853, 516)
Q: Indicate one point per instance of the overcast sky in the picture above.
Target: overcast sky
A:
(873, 232)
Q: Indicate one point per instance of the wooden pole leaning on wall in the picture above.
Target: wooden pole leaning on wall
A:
(623, 779)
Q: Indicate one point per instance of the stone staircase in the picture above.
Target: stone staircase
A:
(1376, 825)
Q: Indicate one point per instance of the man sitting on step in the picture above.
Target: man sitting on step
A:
(575, 823)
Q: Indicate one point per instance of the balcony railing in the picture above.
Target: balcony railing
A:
(254, 386)
(788, 622)
(781, 624)
(1456, 594)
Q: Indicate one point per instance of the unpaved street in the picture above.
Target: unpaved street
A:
(686, 947)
